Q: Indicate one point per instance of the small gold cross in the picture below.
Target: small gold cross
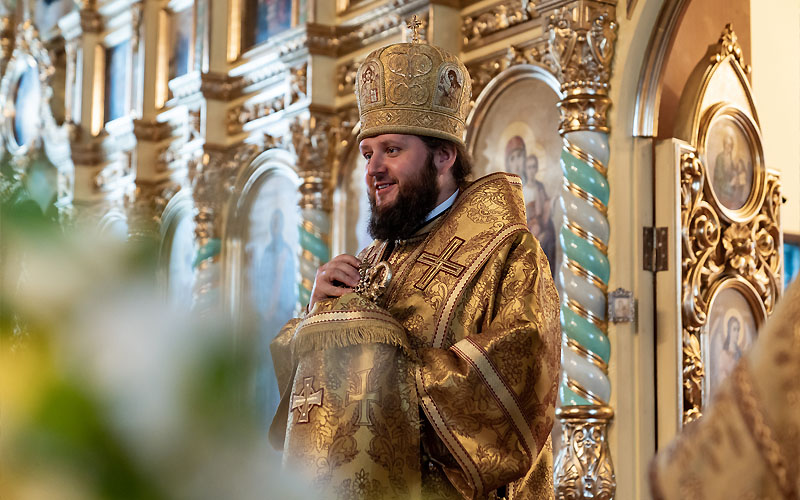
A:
(414, 26)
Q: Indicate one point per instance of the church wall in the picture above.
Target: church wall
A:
(699, 27)
(631, 369)
(776, 79)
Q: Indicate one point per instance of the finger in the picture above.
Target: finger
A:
(327, 290)
(344, 275)
(349, 260)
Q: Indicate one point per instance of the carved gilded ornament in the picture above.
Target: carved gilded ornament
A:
(213, 177)
(295, 81)
(532, 52)
(380, 23)
(315, 141)
(346, 77)
(146, 207)
(221, 87)
(581, 45)
(6, 41)
(587, 470)
(714, 251)
(496, 18)
(239, 116)
(729, 45)
(91, 19)
(298, 83)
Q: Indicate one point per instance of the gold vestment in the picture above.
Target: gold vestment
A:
(747, 445)
(473, 293)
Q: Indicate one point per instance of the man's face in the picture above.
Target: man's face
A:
(402, 184)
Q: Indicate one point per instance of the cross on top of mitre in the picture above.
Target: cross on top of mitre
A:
(414, 25)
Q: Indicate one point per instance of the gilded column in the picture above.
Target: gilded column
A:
(581, 44)
(212, 178)
(314, 140)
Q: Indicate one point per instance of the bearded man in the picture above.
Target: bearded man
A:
(466, 313)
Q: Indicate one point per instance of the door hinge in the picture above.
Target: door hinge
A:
(655, 253)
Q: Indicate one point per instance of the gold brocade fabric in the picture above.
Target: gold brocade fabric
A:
(474, 295)
(747, 446)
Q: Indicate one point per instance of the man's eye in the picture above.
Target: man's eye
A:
(367, 156)
(391, 150)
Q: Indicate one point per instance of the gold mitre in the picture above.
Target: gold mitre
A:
(413, 88)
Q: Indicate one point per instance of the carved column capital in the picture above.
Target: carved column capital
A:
(212, 178)
(91, 19)
(315, 141)
(581, 39)
(146, 206)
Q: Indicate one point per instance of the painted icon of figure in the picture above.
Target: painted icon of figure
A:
(538, 205)
(730, 344)
(731, 348)
(730, 174)
(449, 89)
(275, 293)
(368, 85)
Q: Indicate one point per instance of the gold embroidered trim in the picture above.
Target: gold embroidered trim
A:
(336, 329)
(508, 402)
(443, 320)
(458, 451)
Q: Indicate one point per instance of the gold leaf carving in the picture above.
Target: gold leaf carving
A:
(714, 249)
(496, 18)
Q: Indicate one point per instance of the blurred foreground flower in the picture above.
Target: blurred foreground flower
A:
(107, 392)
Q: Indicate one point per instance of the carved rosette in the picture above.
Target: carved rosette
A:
(713, 249)
(587, 470)
(580, 46)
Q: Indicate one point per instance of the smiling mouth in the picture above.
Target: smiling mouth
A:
(383, 185)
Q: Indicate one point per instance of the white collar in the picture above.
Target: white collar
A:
(442, 206)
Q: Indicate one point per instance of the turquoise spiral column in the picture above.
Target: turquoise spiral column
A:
(581, 42)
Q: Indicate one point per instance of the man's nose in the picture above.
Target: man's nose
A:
(375, 165)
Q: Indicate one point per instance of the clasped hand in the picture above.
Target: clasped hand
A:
(335, 278)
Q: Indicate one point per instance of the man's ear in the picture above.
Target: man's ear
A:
(445, 157)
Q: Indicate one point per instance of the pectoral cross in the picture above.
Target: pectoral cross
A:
(362, 397)
(440, 263)
(306, 399)
(414, 26)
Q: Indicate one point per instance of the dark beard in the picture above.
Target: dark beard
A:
(415, 200)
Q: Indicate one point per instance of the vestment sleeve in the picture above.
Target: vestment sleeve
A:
(491, 396)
